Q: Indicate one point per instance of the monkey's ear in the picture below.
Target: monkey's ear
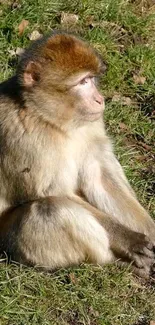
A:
(103, 68)
(103, 64)
(32, 73)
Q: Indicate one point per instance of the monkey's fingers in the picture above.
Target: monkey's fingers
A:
(141, 271)
(145, 251)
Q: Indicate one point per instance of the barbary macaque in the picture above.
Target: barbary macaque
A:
(64, 198)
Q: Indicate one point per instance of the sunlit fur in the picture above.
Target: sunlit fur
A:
(64, 198)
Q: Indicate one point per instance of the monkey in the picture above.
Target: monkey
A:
(64, 197)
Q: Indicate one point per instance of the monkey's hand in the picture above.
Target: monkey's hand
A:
(135, 248)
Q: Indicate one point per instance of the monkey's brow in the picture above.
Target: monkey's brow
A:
(77, 78)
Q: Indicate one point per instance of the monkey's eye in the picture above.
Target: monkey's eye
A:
(84, 81)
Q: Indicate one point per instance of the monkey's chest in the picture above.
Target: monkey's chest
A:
(58, 177)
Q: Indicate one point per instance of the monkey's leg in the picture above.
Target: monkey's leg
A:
(58, 232)
(53, 232)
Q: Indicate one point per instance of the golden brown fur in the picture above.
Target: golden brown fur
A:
(64, 198)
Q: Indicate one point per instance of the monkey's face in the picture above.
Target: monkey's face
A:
(89, 103)
(75, 100)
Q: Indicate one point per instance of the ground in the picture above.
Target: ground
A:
(124, 33)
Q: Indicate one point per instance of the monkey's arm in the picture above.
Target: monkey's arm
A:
(105, 186)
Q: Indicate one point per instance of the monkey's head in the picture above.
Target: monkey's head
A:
(58, 73)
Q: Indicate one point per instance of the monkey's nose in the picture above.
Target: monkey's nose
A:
(99, 99)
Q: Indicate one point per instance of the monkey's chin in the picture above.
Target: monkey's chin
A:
(94, 116)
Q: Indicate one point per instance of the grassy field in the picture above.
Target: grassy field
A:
(124, 33)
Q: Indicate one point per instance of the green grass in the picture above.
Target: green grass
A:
(123, 31)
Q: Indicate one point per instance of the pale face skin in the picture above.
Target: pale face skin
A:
(90, 101)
